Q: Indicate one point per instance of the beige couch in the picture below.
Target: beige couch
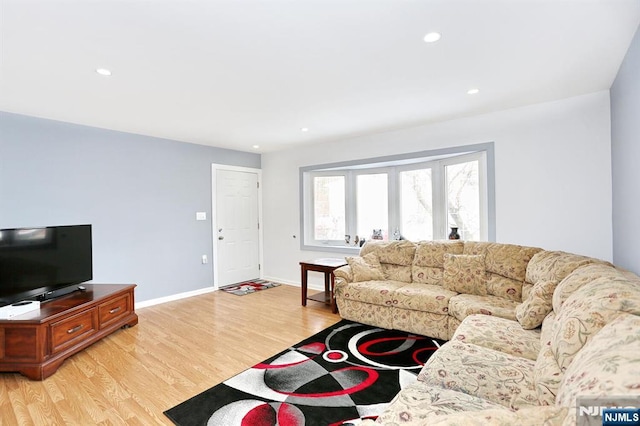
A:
(500, 366)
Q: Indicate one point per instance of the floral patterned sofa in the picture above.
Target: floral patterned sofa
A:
(575, 332)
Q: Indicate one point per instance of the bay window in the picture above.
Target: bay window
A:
(416, 197)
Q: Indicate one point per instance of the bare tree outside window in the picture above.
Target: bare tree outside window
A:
(463, 199)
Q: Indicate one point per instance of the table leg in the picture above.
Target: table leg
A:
(303, 279)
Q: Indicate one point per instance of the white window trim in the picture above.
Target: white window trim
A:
(411, 161)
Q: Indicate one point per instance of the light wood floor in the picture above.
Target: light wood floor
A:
(177, 350)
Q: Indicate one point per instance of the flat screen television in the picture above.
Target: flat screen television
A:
(40, 263)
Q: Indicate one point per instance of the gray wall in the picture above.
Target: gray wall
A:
(139, 193)
(625, 159)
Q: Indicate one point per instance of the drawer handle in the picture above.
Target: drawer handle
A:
(74, 329)
(114, 310)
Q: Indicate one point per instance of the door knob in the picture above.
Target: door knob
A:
(221, 237)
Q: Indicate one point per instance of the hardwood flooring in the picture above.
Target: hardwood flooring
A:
(177, 350)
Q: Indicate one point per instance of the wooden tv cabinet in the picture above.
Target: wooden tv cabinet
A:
(36, 343)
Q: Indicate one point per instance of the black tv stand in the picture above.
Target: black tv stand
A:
(54, 294)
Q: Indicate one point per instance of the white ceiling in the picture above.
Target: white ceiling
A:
(234, 73)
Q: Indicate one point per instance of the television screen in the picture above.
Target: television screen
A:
(35, 261)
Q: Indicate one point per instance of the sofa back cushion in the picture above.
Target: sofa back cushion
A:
(396, 257)
(506, 266)
(545, 270)
(365, 268)
(608, 365)
(428, 264)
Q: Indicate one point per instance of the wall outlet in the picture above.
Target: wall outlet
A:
(204, 259)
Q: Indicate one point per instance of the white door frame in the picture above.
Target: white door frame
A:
(214, 219)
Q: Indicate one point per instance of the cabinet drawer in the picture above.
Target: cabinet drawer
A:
(114, 310)
(70, 331)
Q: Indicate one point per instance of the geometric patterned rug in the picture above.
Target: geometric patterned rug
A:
(343, 374)
(248, 287)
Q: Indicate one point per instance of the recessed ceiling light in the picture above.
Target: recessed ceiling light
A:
(472, 91)
(255, 146)
(103, 71)
(432, 37)
(304, 129)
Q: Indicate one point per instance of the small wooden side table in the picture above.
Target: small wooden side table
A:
(325, 265)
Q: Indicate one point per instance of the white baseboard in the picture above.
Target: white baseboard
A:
(173, 297)
(311, 286)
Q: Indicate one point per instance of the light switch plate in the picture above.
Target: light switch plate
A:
(201, 215)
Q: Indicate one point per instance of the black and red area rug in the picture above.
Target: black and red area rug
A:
(345, 373)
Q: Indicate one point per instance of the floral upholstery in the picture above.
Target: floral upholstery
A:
(589, 309)
(417, 321)
(427, 275)
(584, 314)
(396, 258)
(393, 252)
(377, 292)
(365, 268)
(499, 334)
(428, 264)
(545, 270)
(366, 313)
(465, 274)
(608, 365)
(580, 277)
(423, 297)
(532, 311)
(464, 305)
(532, 416)
(498, 377)
(555, 265)
(417, 403)
(506, 266)
(493, 370)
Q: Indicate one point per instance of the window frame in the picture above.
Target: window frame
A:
(393, 165)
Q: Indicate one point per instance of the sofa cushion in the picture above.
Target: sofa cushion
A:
(428, 263)
(419, 402)
(579, 277)
(463, 305)
(393, 252)
(365, 268)
(378, 292)
(607, 365)
(395, 257)
(498, 377)
(506, 266)
(555, 265)
(423, 297)
(532, 311)
(465, 274)
(499, 334)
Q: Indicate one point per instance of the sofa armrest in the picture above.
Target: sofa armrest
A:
(342, 276)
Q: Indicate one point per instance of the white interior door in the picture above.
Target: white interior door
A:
(236, 227)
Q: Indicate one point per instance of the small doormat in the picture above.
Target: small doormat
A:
(341, 375)
(248, 287)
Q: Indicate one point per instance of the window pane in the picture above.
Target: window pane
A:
(416, 205)
(463, 199)
(329, 207)
(372, 208)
